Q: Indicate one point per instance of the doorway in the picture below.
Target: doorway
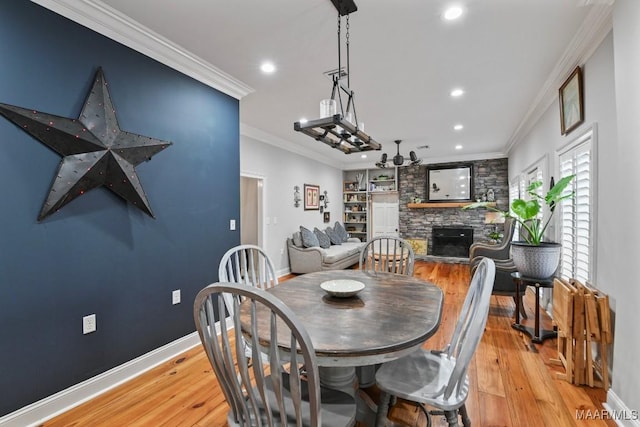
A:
(384, 218)
(251, 208)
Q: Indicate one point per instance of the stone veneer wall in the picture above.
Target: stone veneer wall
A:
(417, 223)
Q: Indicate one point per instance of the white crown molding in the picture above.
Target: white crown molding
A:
(262, 136)
(590, 35)
(437, 160)
(38, 412)
(107, 21)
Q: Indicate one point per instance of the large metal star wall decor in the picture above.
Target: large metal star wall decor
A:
(96, 152)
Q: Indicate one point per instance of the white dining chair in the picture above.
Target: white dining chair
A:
(439, 378)
(387, 254)
(249, 265)
(265, 393)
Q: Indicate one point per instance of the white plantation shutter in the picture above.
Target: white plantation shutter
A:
(536, 175)
(514, 193)
(576, 213)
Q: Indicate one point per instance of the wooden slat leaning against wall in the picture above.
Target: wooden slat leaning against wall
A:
(512, 382)
(583, 317)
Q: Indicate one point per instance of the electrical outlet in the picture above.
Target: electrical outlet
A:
(175, 297)
(89, 324)
(232, 224)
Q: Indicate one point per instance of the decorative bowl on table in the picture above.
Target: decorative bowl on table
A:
(342, 288)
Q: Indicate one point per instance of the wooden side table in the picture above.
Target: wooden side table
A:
(537, 335)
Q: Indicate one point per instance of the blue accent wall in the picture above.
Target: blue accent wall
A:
(98, 254)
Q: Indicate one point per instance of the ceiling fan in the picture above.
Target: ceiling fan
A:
(398, 159)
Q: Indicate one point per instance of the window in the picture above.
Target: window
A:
(577, 212)
(518, 188)
(514, 193)
(533, 176)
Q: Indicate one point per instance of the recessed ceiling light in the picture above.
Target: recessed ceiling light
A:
(267, 67)
(458, 147)
(454, 12)
(458, 127)
(363, 156)
(457, 92)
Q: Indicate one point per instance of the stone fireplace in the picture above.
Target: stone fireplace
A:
(418, 223)
(452, 241)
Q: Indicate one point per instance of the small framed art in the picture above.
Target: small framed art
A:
(311, 197)
(571, 102)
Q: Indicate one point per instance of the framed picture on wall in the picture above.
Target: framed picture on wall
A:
(571, 102)
(311, 197)
(327, 217)
(447, 183)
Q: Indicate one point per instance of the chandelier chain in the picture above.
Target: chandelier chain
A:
(347, 43)
(339, 45)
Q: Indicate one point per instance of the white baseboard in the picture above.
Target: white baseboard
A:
(37, 412)
(620, 412)
(283, 272)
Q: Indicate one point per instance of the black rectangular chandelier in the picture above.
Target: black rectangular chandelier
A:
(339, 128)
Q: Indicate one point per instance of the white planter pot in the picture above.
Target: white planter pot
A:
(539, 261)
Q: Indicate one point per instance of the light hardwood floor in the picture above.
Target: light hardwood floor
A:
(512, 381)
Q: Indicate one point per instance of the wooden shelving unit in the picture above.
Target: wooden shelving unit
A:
(356, 199)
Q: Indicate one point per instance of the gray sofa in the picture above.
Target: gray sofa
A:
(336, 257)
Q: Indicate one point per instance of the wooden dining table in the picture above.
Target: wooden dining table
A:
(392, 316)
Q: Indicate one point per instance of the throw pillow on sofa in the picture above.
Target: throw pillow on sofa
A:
(309, 239)
(323, 239)
(334, 237)
(339, 228)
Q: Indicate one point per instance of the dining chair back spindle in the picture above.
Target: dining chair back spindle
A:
(248, 264)
(271, 391)
(439, 378)
(387, 254)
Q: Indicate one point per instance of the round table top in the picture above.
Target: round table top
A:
(392, 316)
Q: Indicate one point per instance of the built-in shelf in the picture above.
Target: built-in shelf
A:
(442, 205)
(359, 185)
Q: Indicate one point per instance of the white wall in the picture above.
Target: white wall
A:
(616, 160)
(282, 170)
(625, 202)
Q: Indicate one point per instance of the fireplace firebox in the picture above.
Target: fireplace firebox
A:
(452, 241)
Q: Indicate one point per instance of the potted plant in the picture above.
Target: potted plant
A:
(495, 236)
(533, 257)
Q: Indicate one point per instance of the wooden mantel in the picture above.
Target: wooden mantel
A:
(442, 205)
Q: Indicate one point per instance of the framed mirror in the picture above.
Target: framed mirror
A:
(450, 183)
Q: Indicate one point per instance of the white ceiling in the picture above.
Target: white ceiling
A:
(508, 55)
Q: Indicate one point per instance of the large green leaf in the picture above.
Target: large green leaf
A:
(555, 194)
(526, 210)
